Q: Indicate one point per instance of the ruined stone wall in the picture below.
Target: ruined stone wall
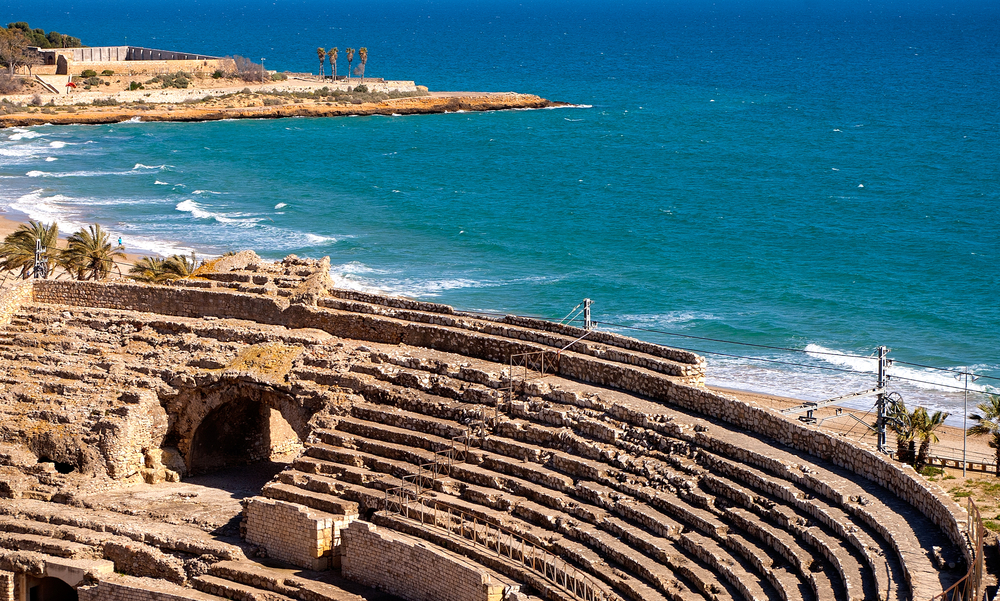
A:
(295, 533)
(184, 302)
(127, 588)
(399, 565)
(12, 298)
(6, 586)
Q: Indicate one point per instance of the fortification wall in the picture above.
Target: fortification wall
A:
(148, 67)
(295, 533)
(401, 566)
(925, 496)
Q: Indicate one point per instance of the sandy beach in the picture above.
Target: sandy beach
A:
(8, 225)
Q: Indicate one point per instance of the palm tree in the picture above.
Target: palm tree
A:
(180, 266)
(901, 423)
(924, 426)
(350, 59)
(89, 254)
(148, 269)
(18, 248)
(363, 54)
(322, 55)
(988, 424)
(332, 55)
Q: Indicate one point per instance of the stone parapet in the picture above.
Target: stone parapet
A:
(413, 569)
(127, 588)
(295, 533)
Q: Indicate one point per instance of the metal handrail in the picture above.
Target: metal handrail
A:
(507, 544)
(970, 586)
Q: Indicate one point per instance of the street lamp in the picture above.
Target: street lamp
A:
(965, 417)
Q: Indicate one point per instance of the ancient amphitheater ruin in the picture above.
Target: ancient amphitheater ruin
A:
(427, 455)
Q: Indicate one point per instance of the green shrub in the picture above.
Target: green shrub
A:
(931, 471)
(272, 102)
(88, 73)
(362, 89)
(93, 80)
(107, 73)
(134, 85)
(105, 102)
(218, 74)
(278, 77)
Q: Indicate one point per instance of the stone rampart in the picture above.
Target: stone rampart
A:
(294, 533)
(926, 497)
(147, 67)
(402, 566)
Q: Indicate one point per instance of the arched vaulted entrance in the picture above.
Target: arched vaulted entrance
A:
(50, 589)
(239, 432)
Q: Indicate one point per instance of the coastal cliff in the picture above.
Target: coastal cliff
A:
(438, 103)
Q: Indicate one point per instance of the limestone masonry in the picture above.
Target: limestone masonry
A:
(253, 432)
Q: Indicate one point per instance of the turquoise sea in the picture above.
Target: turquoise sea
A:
(817, 177)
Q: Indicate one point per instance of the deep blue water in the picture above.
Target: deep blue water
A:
(812, 176)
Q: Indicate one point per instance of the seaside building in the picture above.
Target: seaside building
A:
(132, 60)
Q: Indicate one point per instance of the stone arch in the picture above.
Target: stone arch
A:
(50, 589)
(62, 65)
(237, 424)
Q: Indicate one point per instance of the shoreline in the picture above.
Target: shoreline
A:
(433, 103)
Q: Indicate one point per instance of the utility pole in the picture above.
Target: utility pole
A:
(587, 324)
(41, 265)
(883, 378)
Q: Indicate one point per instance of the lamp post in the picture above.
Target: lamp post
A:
(262, 70)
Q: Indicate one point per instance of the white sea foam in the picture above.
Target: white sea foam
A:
(50, 159)
(57, 144)
(159, 183)
(317, 240)
(926, 379)
(280, 205)
(140, 166)
(36, 173)
(206, 192)
(24, 134)
(198, 211)
(48, 209)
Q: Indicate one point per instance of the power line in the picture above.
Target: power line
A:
(765, 346)
(954, 371)
(776, 348)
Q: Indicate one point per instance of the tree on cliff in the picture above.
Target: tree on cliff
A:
(89, 254)
(13, 49)
(332, 55)
(18, 249)
(322, 57)
(38, 37)
(988, 424)
(350, 59)
(363, 56)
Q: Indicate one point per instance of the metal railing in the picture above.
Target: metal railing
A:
(427, 473)
(969, 587)
(503, 542)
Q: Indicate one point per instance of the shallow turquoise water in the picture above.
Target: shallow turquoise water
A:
(814, 179)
